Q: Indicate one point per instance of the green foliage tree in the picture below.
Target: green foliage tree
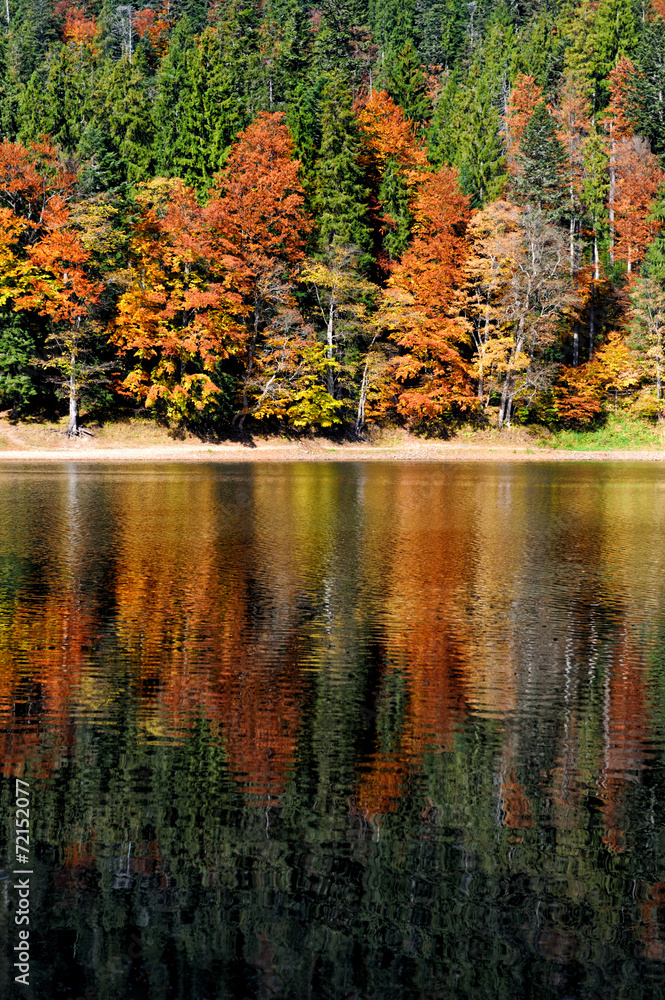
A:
(540, 181)
(340, 197)
(649, 84)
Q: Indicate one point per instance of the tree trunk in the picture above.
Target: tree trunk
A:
(504, 400)
(73, 426)
(250, 360)
(592, 320)
(330, 329)
(576, 344)
(510, 401)
(658, 379)
(360, 418)
(612, 193)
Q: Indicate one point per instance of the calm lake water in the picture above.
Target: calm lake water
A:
(386, 731)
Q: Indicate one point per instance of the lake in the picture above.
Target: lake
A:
(389, 731)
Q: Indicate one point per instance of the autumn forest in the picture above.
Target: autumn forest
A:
(273, 216)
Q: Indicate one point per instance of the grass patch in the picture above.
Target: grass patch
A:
(619, 433)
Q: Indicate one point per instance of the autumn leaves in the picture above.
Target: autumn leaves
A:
(235, 305)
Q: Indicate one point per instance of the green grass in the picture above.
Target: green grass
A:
(619, 432)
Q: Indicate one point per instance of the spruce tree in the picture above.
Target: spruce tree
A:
(403, 78)
(10, 86)
(541, 52)
(209, 114)
(649, 84)
(440, 29)
(444, 130)
(340, 199)
(540, 182)
(614, 34)
(121, 109)
(169, 107)
(481, 156)
(285, 41)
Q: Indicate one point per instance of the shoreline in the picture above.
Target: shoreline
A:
(316, 451)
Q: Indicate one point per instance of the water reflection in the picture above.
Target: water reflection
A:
(385, 731)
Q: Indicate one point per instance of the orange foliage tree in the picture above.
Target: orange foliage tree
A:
(424, 302)
(44, 263)
(638, 180)
(257, 208)
(524, 98)
(181, 308)
(393, 160)
(61, 289)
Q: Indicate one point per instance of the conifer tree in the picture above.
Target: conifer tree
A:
(340, 199)
(649, 84)
(447, 122)
(480, 146)
(614, 35)
(403, 78)
(171, 83)
(209, 114)
(542, 50)
(540, 181)
(121, 108)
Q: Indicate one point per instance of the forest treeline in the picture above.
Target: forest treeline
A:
(273, 214)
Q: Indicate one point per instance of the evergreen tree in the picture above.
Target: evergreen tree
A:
(121, 109)
(440, 29)
(208, 115)
(402, 76)
(444, 130)
(284, 48)
(18, 379)
(9, 90)
(304, 120)
(481, 152)
(238, 30)
(542, 50)
(34, 31)
(540, 181)
(171, 83)
(649, 84)
(340, 199)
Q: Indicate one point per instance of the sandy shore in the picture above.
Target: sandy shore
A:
(269, 450)
(144, 441)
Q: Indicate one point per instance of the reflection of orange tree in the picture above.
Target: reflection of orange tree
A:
(54, 644)
(430, 567)
(190, 634)
(627, 737)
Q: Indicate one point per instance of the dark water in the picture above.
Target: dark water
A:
(336, 731)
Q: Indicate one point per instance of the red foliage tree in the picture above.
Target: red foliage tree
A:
(424, 303)
(257, 207)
